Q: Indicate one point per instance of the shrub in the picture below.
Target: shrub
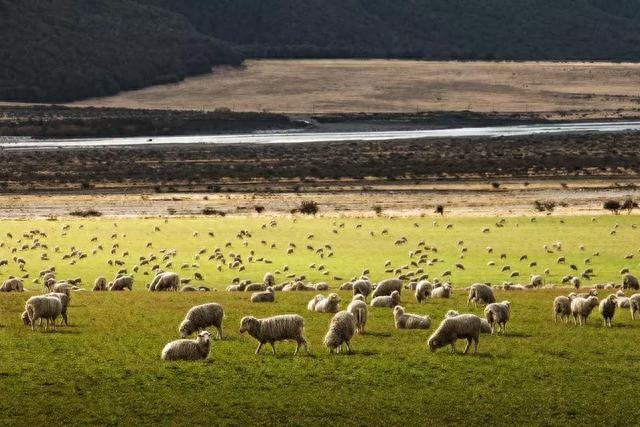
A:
(308, 207)
(629, 205)
(86, 213)
(544, 206)
(212, 211)
(377, 209)
(258, 208)
(439, 210)
(613, 206)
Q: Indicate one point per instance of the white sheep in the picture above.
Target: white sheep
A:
(267, 296)
(634, 305)
(462, 326)
(269, 279)
(341, 330)
(562, 308)
(42, 307)
(485, 327)
(184, 349)
(165, 281)
(330, 304)
(582, 307)
(121, 283)
(362, 287)
(608, 309)
(537, 281)
(201, 317)
(358, 307)
(13, 284)
(423, 290)
(442, 291)
(311, 305)
(275, 328)
(479, 293)
(64, 300)
(100, 284)
(387, 286)
(388, 301)
(409, 321)
(498, 313)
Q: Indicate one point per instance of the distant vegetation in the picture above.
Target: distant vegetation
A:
(63, 50)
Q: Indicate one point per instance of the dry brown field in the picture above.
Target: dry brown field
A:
(556, 90)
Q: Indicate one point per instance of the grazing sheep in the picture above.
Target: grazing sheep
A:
(311, 305)
(201, 317)
(423, 290)
(581, 308)
(389, 301)
(64, 300)
(184, 349)
(330, 304)
(479, 293)
(100, 284)
(358, 307)
(42, 307)
(121, 283)
(562, 308)
(622, 302)
(362, 287)
(485, 327)
(386, 287)
(275, 328)
(498, 313)
(462, 326)
(341, 330)
(608, 309)
(12, 285)
(537, 281)
(443, 291)
(267, 296)
(166, 281)
(634, 305)
(630, 282)
(62, 287)
(409, 321)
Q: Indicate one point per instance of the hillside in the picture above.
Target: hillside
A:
(57, 51)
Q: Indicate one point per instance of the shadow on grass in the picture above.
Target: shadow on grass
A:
(377, 334)
(514, 335)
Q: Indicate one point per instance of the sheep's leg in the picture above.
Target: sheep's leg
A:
(306, 345)
(348, 346)
(219, 328)
(453, 347)
(476, 340)
(466, 348)
(273, 347)
(259, 347)
(53, 322)
(297, 348)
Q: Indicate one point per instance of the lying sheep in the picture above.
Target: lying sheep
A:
(62, 288)
(184, 349)
(463, 326)
(276, 328)
(269, 279)
(423, 290)
(42, 307)
(201, 317)
(358, 307)
(267, 296)
(121, 283)
(100, 284)
(389, 301)
(166, 281)
(409, 321)
(341, 330)
(255, 287)
(498, 313)
(634, 305)
(443, 291)
(479, 293)
(386, 287)
(12, 285)
(361, 287)
(608, 309)
(311, 305)
(537, 281)
(330, 304)
(562, 308)
(630, 282)
(581, 308)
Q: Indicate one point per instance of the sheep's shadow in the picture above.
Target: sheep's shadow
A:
(513, 335)
(377, 334)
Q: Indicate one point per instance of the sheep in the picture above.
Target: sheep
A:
(42, 307)
(341, 330)
(389, 301)
(12, 285)
(634, 305)
(453, 328)
(409, 321)
(322, 286)
(330, 304)
(362, 287)
(608, 309)
(443, 291)
(423, 290)
(275, 328)
(498, 313)
(485, 327)
(255, 287)
(184, 349)
(311, 305)
(581, 308)
(358, 307)
(537, 281)
(386, 287)
(100, 284)
(62, 287)
(267, 296)
(479, 293)
(347, 286)
(622, 302)
(630, 282)
(166, 281)
(121, 283)
(562, 308)
(64, 300)
(269, 279)
(200, 317)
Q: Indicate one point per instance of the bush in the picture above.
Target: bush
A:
(258, 208)
(212, 211)
(86, 213)
(629, 205)
(377, 209)
(308, 207)
(439, 210)
(613, 206)
(544, 206)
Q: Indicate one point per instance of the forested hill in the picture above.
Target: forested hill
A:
(59, 50)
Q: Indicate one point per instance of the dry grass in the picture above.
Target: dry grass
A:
(325, 86)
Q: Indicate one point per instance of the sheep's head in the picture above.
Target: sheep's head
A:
(25, 318)
(433, 344)
(398, 310)
(204, 337)
(395, 296)
(358, 297)
(247, 323)
(334, 298)
(451, 313)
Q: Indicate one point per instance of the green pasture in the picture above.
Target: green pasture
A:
(105, 369)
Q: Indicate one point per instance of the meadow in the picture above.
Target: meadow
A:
(105, 367)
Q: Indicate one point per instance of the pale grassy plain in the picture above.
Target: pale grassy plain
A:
(578, 89)
(105, 368)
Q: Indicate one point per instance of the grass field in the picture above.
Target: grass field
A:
(341, 86)
(105, 367)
